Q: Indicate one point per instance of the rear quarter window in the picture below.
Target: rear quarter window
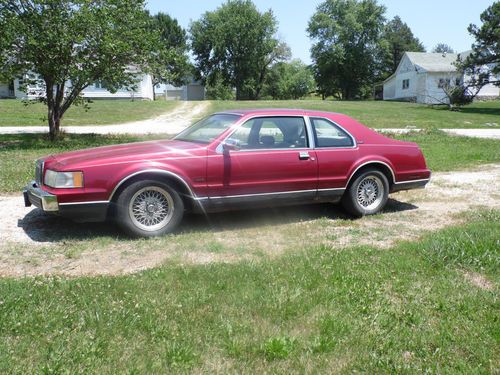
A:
(329, 134)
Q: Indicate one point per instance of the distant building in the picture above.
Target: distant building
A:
(143, 91)
(193, 90)
(420, 78)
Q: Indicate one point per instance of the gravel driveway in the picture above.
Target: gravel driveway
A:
(34, 244)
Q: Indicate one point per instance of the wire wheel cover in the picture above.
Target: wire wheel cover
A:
(151, 208)
(370, 192)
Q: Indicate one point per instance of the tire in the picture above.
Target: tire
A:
(367, 194)
(149, 208)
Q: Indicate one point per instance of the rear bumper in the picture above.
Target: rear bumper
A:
(408, 185)
(81, 211)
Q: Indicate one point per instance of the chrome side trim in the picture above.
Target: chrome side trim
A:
(371, 162)
(411, 181)
(310, 132)
(263, 194)
(159, 171)
(78, 203)
(332, 189)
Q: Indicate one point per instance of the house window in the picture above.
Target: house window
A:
(406, 84)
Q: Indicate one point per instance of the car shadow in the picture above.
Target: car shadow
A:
(48, 228)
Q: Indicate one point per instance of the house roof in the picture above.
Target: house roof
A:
(432, 62)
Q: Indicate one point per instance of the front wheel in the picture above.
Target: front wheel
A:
(149, 208)
(367, 194)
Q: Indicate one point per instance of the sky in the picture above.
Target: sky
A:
(432, 21)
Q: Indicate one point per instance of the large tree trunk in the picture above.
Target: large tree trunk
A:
(54, 126)
(54, 109)
(154, 91)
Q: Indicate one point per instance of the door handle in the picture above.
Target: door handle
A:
(304, 156)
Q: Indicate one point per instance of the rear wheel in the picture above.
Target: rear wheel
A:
(149, 208)
(367, 194)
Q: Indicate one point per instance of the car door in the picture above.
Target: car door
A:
(270, 159)
(336, 150)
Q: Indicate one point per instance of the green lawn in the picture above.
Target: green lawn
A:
(408, 309)
(376, 114)
(101, 112)
(380, 114)
(18, 152)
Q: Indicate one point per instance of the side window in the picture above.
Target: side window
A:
(271, 133)
(241, 137)
(327, 134)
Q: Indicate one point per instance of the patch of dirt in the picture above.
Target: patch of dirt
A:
(32, 243)
(478, 280)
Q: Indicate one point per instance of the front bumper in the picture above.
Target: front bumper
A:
(37, 197)
(79, 211)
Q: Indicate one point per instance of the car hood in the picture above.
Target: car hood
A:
(122, 152)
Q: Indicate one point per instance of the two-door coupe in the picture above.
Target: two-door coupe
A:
(229, 160)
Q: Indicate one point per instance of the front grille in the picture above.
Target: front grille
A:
(39, 172)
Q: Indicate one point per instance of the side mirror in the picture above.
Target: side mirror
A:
(230, 145)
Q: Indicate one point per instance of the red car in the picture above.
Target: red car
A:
(229, 160)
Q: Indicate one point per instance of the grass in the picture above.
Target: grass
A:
(407, 309)
(18, 152)
(101, 112)
(375, 114)
(383, 114)
(448, 153)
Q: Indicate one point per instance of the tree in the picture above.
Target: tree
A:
(234, 46)
(346, 35)
(289, 80)
(168, 62)
(398, 39)
(442, 48)
(70, 44)
(482, 65)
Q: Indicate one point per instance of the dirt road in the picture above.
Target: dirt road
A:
(33, 244)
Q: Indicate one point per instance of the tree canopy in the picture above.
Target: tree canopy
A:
(289, 80)
(234, 46)
(346, 38)
(443, 48)
(486, 48)
(398, 39)
(70, 44)
(168, 61)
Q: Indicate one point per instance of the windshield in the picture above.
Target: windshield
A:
(208, 129)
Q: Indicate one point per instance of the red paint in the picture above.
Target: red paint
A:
(210, 173)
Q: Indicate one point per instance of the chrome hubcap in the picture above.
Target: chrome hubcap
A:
(370, 192)
(151, 208)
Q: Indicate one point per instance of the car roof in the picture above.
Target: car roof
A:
(276, 111)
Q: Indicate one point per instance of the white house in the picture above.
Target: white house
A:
(420, 77)
(143, 90)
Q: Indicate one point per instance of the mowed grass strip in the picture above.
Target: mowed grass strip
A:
(447, 153)
(18, 152)
(408, 309)
(100, 112)
(385, 114)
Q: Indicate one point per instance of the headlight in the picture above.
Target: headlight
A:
(63, 179)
